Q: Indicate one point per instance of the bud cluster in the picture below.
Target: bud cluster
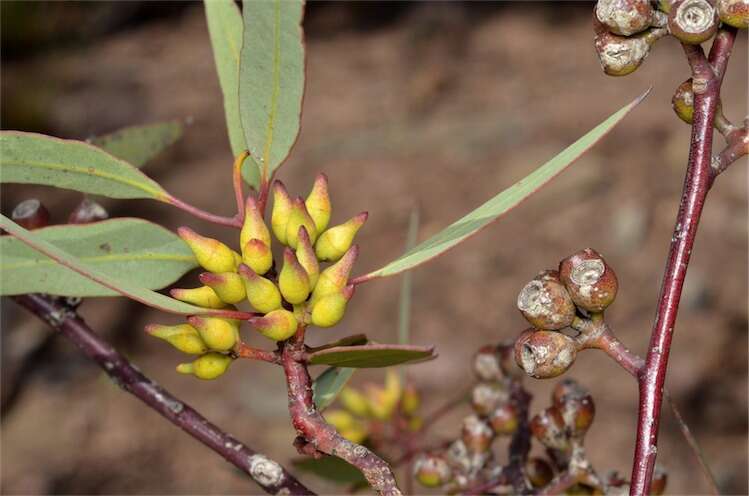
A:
(585, 285)
(300, 293)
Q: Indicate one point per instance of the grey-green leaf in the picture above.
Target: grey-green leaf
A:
(38, 159)
(132, 250)
(372, 355)
(333, 469)
(271, 79)
(326, 387)
(137, 145)
(487, 213)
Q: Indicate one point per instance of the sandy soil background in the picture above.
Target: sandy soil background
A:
(433, 106)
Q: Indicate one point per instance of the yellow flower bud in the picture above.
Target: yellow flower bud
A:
(355, 402)
(277, 325)
(334, 242)
(203, 297)
(212, 254)
(207, 367)
(346, 425)
(254, 226)
(227, 285)
(184, 337)
(306, 256)
(299, 217)
(356, 434)
(410, 401)
(334, 278)
(219, 334)
(293, 280)
(318, 203)
(382, 402)
(281, 212)
(262, 294)
(330, 309)
(257, 255)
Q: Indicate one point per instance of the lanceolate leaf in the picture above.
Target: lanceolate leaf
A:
(371, 355)
(225, 28)
(271, 79)
(137, 145)
(132, 250)
(38, 159)
(326, 387)
(488, 212)
(137, 293)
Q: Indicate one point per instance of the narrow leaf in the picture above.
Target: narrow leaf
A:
(225, 28)
(137, 293)
(489, 212)
(271, 79)
(39, 159)
(353, 340)
(331, 468)
(372, 355)
(132, 250)
(137, 145)
(404, 301)
(326, 387)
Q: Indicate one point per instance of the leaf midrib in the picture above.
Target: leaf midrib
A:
(104, 258)
(276, 87)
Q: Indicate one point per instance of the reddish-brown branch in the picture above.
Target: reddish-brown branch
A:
(243, 350)
(237, 183)
(316, 435)
(737, 147)
(706, 87)
(268, 474)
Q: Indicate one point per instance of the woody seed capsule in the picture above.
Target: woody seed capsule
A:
(591, 282)
(545, 302)
(544, 354)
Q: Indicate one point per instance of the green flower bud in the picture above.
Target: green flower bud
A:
(330, 309)
(334, 242)
(262, 294)
(212, 255)
(293, 280)
(254, 226)
(257, 255)
(281, 212)
(334, 278)
(306, 256)
(208, 367)
(219, 334)
(184, 337)
(203, 297)
(299, 217)
(227, 285)
(318, 203)
(278, 325)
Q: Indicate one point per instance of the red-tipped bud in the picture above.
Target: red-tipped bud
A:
(257, 256)
(734, 12)
(432, 470)
(334, 278)
(254, 226)
(219, 334)
(538, 471)
(591, 282)
(299, 217)
(545, 302)
(318, 203)
(212, 255)
(184, 337)
(548, 427)
(293, 280)
(544, 354)
(306, 256)
(262, 294)
(30, 214)
(487, 396)
(693, 21)
(625, 17)
(87, 211)
(203, 297)
(228, 286)
(277, 325)
(281, 212)
(334, 242)
(476, 434)
(504, 420)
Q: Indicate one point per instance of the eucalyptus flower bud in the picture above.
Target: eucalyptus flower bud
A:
(432, 470)
(208, 367)
(544, 354)
(299, 217)
(293, 280)
(253, 226)
(625, 17)
(256, 255)
(30, 214)
(329, 310)
(591, 282)
(693, 21)
(683, 101)
(548, 427)
(203, 297)
(621, 55)
(346, 425)
(355, 402)
(281, 212)
(262, 294)
(476, 434)
(334, 242)
(383, 401)
(734, 12)
(218, 333)
(228, 286)
(278, 325)
(318, 203)
(334, 278)
(184, 337)
(212, 255)
(504, 419)
(545, 302)
(306, 256)
(410, 401)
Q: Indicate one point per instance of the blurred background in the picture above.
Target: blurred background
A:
(435, 106)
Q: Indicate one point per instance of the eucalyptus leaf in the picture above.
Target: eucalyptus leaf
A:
(271, 79)
(38, 159)
(132, 250)
(371, 355)
(326, 387)
(487, 213)
(137, 145)
(331, 468)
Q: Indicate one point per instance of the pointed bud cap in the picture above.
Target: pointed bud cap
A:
(278, 325)
(219, 334)
(334, 242)
(184, 337)
(208, 367)
(299, 217)
(262, 294)
(254, 226)
(281, 212)
(334, 278)
(257, 255)
(318, 203)
(306, 256)
(293, 280)
(227, 285)
(212, 255)
(203, 297)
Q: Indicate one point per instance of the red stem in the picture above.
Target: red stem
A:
(237, 183)
(202, 214)
(243, 350)
(706, 86)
